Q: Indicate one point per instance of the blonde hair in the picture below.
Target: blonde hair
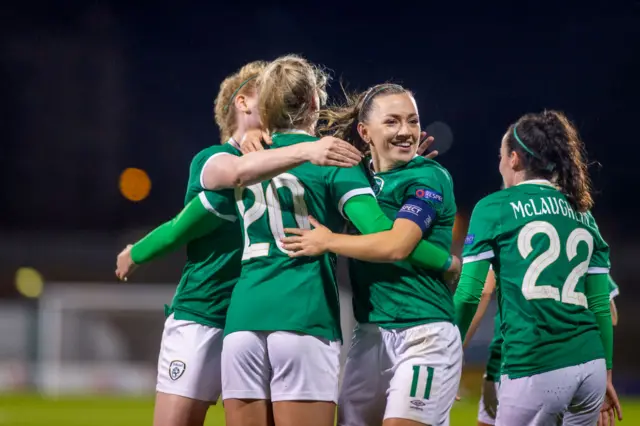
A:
(287, 88)
(242, 82)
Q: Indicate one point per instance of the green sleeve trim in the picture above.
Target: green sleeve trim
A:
(468, 293)
(597, 292)
(367, 216)
(193, 222)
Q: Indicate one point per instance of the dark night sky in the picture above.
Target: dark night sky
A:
(92, 88)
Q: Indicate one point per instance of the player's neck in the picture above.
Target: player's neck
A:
(308, 128)
(519, 177)
(382, 165)
(239, 134)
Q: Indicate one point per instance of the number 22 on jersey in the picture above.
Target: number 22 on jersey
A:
(569, 294)
(267, 201)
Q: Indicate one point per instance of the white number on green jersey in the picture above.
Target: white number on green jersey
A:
(569, 294)
(270, 201)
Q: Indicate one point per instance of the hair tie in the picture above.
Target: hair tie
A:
(233, 96)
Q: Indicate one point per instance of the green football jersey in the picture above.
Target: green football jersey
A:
(400, 294)
(276, 292)
(495, 347)
(213, 261)
(541, 251)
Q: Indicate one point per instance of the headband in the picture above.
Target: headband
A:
(226, 107)
(550, 167)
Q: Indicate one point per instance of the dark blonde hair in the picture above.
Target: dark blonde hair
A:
(342, 120)
(242, 82)
(287, 87)
(550, 148)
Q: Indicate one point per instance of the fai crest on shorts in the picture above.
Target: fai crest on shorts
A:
(176, 369)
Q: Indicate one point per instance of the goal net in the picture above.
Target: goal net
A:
(100, 338)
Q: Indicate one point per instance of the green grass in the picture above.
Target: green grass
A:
(32, 410)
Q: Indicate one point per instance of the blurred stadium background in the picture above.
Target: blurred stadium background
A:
(105, 103)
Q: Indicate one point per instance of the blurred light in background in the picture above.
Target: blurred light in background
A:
(29, 282)
(135, 184)
(442, 134)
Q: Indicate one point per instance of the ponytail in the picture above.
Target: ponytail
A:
(550, 148)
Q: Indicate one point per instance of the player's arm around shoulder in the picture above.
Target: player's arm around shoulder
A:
(229, 171)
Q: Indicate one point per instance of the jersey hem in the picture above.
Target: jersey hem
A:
(395, 325)
(478, 257)
(528, 373)
(207, 205)
(331, 338)
(183, 315)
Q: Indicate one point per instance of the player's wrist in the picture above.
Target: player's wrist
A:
(134, 255)
(304, 151)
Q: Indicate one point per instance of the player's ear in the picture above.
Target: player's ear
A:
(515, 161)
(241, 103)
(363, 131)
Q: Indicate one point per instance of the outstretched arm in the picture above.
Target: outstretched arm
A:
(193, 222)
(485, 299)
(469, 293)
(224, 170)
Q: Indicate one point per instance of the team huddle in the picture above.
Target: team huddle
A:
(255, 319)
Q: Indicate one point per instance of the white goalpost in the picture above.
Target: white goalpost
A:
(100, 337)
(105, 338)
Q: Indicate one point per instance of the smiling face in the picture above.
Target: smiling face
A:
(392, 130)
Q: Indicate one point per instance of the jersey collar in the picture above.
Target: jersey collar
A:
(536, 182)
(399, 167)
(298, 131)
(233, 143)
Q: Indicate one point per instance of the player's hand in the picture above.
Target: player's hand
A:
(425, 143)
(452, 275)
(252, 141)
(124, 264)
(611, 406)
(490, 397)
(307, 242)
(330, 151)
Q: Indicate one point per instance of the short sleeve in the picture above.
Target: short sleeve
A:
(599, 263)
(221, 203)
(432, 189)
(613, 288)
(345, 183)
(197, 167)
(479, 243)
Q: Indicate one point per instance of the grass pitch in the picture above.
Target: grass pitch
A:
(34, 410)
